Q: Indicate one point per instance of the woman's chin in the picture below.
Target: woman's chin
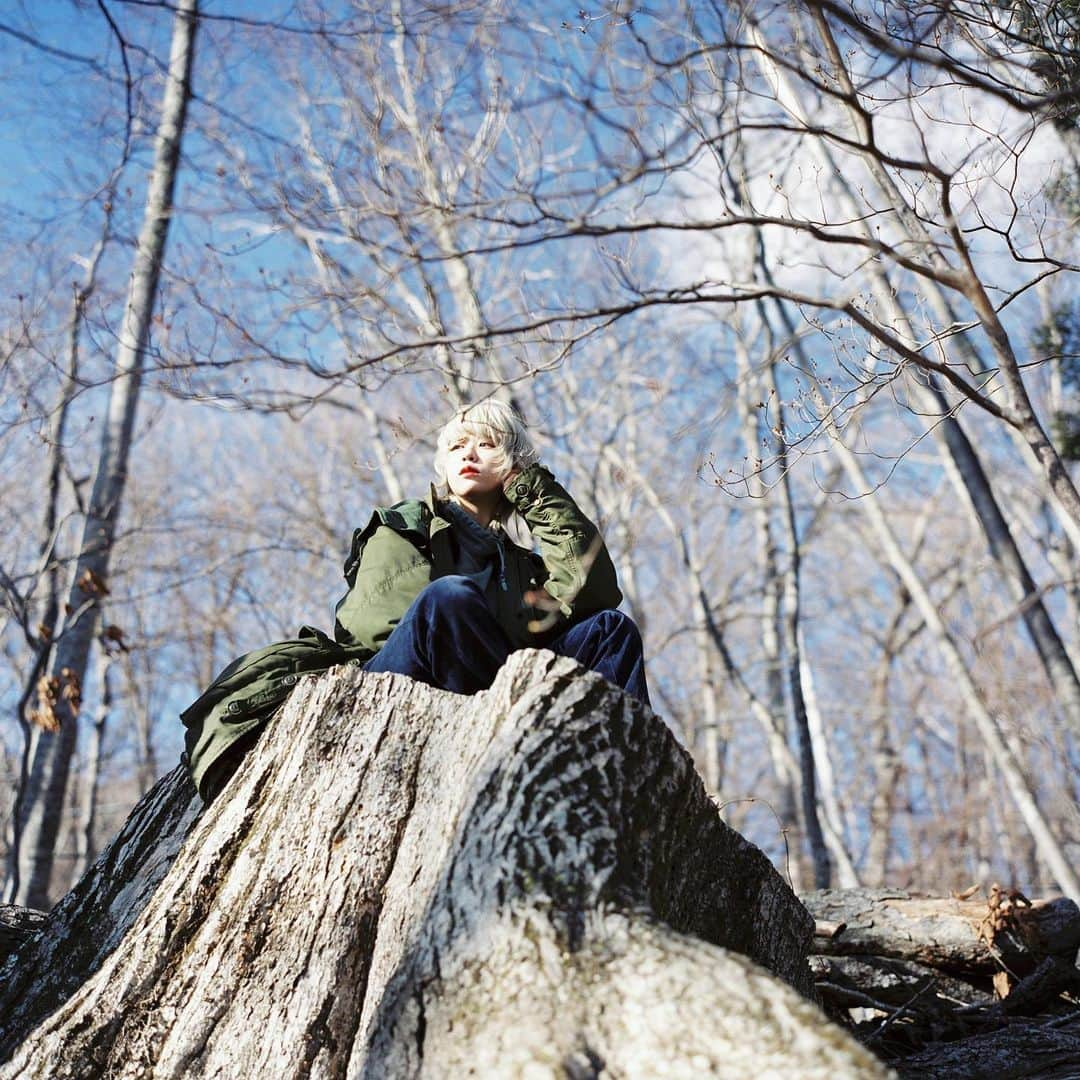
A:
(475, 489)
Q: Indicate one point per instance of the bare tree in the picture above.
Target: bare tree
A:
(390, 212)
(962, 462)
(1005, 759)
(42, 799)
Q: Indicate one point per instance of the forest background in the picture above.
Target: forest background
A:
(786, 292)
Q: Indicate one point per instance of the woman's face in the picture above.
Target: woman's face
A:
(475, 465)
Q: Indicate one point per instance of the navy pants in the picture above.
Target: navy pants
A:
(449, 639)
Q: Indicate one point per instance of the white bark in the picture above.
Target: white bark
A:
(406, 882)
(42, 802)
(749, 395)
(886, 758)
(85, 828)
(832, 823)
(791, 600)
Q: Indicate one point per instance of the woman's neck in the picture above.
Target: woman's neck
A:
(481, 510)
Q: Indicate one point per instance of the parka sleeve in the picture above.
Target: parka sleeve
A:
(581, 575)
(385, 572)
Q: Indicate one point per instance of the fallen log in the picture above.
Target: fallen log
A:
(1048, 1051)
(921, 980)
(885, 982)
(404, 882)
(964, 936)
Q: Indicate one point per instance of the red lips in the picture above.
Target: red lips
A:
(469, 471)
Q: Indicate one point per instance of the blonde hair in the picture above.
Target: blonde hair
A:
(494, 420)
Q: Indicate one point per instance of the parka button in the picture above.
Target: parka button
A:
(522, 489)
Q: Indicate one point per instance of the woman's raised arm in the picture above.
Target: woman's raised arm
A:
(582, 576)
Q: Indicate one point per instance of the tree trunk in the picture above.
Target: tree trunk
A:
(832, 820)
(86, 825)
(764, 549)
(405, 882)
(41, 803)
(887, 766)
(793, 667)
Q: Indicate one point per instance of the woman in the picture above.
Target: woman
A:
(444, 595)
(439, 591)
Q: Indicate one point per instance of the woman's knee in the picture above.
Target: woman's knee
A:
(620, 622)
(450, 593)
(616, 624)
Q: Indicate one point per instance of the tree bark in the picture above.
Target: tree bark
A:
(17, 924)
(790, 621)
(765, 552)
(1047, 1052)
(86, 827)
(832, 820)
(41, 803)
(405, 882)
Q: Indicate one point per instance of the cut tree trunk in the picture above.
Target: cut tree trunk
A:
(404, 882)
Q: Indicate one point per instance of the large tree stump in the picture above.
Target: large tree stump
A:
(403, 882)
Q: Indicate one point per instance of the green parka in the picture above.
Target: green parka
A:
(400, 550)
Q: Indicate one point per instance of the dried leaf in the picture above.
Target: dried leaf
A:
(112, 640)
(93, 584)
(968, 893)
(71, 689)
(44, 714)
(47, 720)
